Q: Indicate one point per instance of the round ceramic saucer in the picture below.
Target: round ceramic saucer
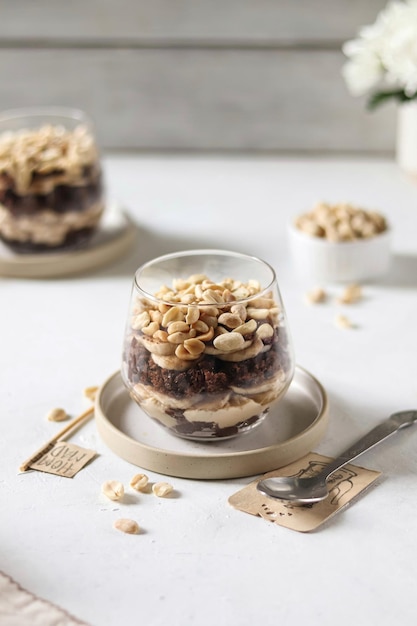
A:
(112, 240)
(291, 430)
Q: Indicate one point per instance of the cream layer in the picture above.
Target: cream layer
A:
(47, 227)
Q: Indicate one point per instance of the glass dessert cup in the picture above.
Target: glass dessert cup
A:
(51, 190)
(207, 350)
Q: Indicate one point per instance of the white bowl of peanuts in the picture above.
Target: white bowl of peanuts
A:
(207, 349)
(340, 243)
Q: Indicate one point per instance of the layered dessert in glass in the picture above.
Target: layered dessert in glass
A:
(207, 353)
(51, 189)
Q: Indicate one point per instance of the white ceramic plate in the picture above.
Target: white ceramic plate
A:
(290, 431)
(112, 240)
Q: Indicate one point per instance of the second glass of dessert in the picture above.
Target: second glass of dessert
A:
(207, 348)
(51, 189)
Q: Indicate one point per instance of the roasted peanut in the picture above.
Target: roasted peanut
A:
(113, 489)
(194, 346)
(174, 314)
(212, 296)
(128, 526)
(139, 482)
(231, 320)
(316, 295)
(141, 320)
(178, 337)
(229, 342)
(57, 415)
(200, 326)
(239, 309)
(150, 329)
(177, 327)
(162, 489)
(265, 331)
(247, 328)
(351, 293)
(342, 321)
(192, 315)
(161, 335)
(258, 314)
(90, 393)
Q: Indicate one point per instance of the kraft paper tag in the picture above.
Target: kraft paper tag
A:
(345, 485)
(64, 459)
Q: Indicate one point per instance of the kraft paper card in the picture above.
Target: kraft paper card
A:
(64, 459)
(344, 485)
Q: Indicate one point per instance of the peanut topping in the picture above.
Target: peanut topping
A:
(46, 150)
(205, 317)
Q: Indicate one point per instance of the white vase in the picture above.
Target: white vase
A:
(406, 148)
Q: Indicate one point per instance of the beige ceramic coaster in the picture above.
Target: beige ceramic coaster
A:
(345, 485)
(294, 426)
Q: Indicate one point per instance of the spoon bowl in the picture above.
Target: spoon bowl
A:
(299, 490)
(294, 489)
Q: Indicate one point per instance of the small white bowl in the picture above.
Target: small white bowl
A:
(324, 261)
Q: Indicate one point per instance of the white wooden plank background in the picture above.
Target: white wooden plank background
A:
(186, 20)
(258, 75)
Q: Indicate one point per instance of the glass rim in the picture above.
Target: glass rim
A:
(204, 252)
(72, 113)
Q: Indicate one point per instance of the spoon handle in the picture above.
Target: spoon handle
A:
(371, 439)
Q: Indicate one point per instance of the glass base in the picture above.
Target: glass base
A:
(211, 432)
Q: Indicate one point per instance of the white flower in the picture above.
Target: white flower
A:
(384, 56)
(363, 73)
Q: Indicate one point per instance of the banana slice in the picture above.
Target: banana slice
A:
(163, 348)
(171, 362)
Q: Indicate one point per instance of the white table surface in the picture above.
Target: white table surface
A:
(200, 561)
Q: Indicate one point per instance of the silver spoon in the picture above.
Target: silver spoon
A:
(313, 489)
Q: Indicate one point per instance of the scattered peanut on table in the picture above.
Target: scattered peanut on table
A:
(139, 482)
(113, 489)
(128, 526)
(57, 415)
(351, 293)
(162, 489)
(341, 321)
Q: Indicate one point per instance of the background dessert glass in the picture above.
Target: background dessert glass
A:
(51, 190)
(207, 350)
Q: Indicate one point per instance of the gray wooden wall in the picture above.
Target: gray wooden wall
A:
(258, 75)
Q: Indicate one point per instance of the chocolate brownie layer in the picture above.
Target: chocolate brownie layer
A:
(207, 375)
(61, 199)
